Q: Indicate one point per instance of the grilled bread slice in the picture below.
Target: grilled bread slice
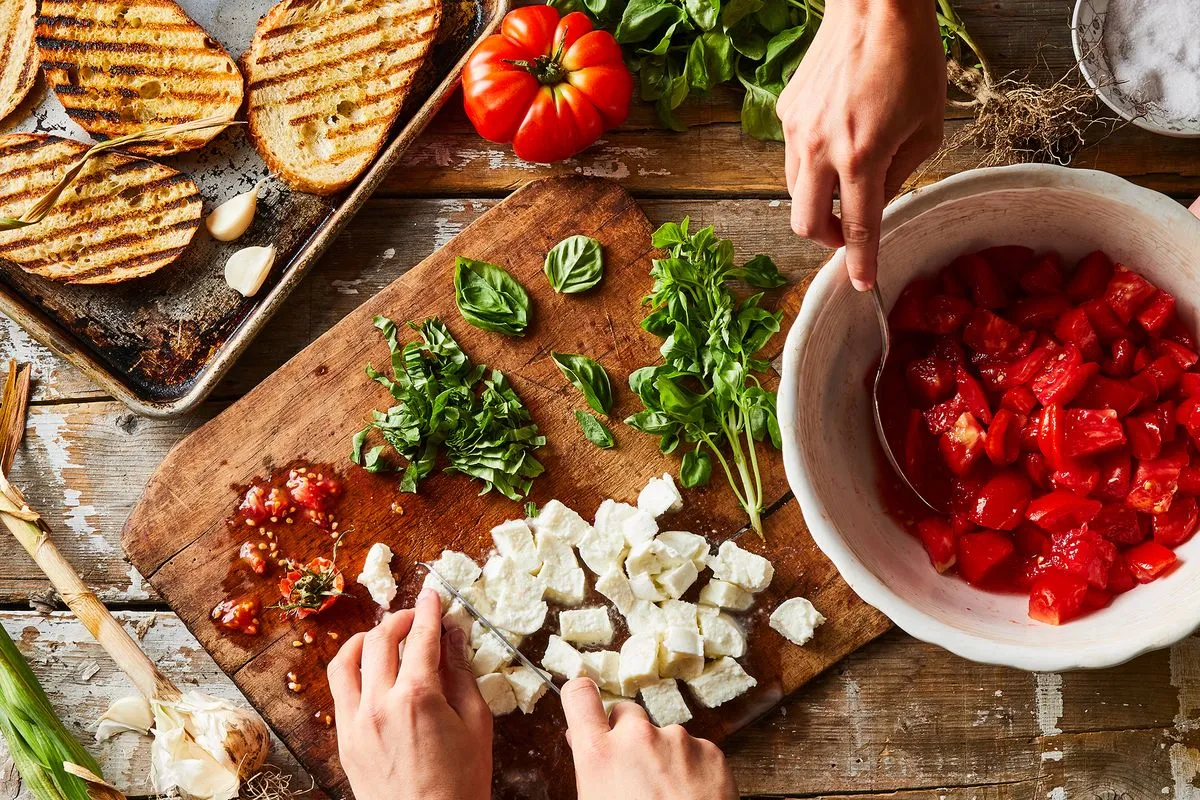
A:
(326, 79)
(123, 67)
(122, 218)
(18, 52)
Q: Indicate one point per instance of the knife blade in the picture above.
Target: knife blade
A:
(492, 629)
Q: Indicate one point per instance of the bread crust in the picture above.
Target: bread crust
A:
(18, 52)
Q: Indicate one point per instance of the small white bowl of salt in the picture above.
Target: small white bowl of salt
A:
(1143, 59)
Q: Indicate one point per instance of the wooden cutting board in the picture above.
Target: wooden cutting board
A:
(179, 538)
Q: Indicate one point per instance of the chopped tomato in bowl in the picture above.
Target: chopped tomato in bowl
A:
(1067, 397)
(1056, 446)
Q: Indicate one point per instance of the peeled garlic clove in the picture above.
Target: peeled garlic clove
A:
(246, 269)
(232, 218)
(126, 714)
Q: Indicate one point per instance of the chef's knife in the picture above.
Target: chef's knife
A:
(492, 629)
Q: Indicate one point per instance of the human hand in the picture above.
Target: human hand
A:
(1195, 208)
(411, 722)
(628, 756)
(862, 111)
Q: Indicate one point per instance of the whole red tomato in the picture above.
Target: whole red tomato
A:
(550, 86)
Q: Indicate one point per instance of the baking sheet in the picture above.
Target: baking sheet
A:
(161, 343)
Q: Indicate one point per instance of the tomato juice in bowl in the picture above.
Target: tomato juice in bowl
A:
(829, 439)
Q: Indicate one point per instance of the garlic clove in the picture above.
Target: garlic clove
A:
(232, 218)
(246, 269)
(126, 714)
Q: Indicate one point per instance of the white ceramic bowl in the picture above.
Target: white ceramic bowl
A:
(828, 436)
(1087, 39)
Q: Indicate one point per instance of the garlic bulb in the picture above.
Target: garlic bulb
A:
(232, 218)
(204, 746)
(246, 269)
(126, 714)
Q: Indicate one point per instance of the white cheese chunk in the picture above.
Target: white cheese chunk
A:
(567, 587)
(689, 545)
(377, 576)
(797, 619)
(610, 701)
(748, 570)
(678, 579)
(651, 558)
(564, 581)
(664, 703)
(565, 661)
(639, 663)
(479, 633)
(497, 693)
(644, 588)
(519, 614)
(503, 576)
(660, 496)
(645, 617)
(528, 687)
(557, 520)
(681, 614)
(722, 634)
(514, 541)
(602, 550)
(491, 656)
(681, 653)
(586, 626)
(726, 595)
(639, 527)
(457, 569)
(611, 516)
(477, 597)
(615, 586)
(555, 552)
(721, 681)
(606, 665)
(457, 616)
(431, 582)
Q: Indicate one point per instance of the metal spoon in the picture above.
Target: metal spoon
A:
(881, 315)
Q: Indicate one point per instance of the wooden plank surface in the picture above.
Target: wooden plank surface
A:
(308, 409)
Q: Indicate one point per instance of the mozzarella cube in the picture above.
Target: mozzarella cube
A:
(565, 661)
(748, 570)
(726, 595)
(639, 663)
(677, 580)
(664, 703)
(567, 587)
(689, 545)
(503, 576)
(610, 701)
(457, 569)
(660, 496)
(557, 520)
(528, 687)
(477, 597)
(611, 516)
(680, 614)
(681, 653)
(615, 586)
(519, 613)
(555, 553)
(722, 635)
(491, 656)
(497, 693)
(586, 626)
(645, 617)
(796, 619)
(514, 541)
(606, 665)
(651, 558)
(644, 588)
(458, 617)
(602, 550)
(479, 633)
(721, 681)
(639, 527)
(377, 575)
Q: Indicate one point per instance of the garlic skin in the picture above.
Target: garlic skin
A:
(130, 714)
(246, 269)
(205, 746)
(232, 218)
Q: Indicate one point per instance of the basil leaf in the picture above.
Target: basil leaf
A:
(575, 264)
(758, 112)
(703, 12)
(696, 469)
(709, 61)
(736, 10)
(489, 298)
(594, 430)
(656, 423)
(761, 273)
(642, 18)
(589, 378)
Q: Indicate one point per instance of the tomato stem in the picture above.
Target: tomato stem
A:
(548, 69)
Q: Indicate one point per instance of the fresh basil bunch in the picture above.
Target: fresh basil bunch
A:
(490, 298)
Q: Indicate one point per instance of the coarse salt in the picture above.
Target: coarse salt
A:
(1153, 52)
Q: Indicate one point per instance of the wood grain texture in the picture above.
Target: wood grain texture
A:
(308, 410)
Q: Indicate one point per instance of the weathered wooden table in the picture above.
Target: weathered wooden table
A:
(900, 718)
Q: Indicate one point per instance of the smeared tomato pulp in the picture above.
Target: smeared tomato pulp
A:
(1054, 413)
